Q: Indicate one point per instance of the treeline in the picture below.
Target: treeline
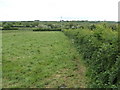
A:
(99, 48)
(18, 25)
(52, 25)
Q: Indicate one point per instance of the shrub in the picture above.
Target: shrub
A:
(100, 51)
(8, 27)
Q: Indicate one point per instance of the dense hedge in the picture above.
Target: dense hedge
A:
(44, 29)
(8, 27)
(99, 48)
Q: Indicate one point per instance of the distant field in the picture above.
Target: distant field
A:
(39, 60)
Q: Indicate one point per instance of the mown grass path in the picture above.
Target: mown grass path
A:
(40, 60)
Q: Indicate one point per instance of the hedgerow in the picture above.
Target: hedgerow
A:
(46, 29)
(7, 27)
(99, 47)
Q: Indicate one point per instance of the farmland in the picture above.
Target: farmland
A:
(40, 59)
(55, 54)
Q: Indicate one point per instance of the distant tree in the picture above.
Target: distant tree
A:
(6, 27)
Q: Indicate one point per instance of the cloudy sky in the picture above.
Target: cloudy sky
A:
(20, 10)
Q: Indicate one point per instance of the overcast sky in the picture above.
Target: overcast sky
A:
(20, 10)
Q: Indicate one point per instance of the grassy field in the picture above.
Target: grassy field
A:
(40, 60)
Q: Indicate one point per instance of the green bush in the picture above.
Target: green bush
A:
(8, 27)
(99, 48)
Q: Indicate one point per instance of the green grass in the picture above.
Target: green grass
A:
(40, 60)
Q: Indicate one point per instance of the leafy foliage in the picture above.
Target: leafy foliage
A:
(99, 48)
(8, 27)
